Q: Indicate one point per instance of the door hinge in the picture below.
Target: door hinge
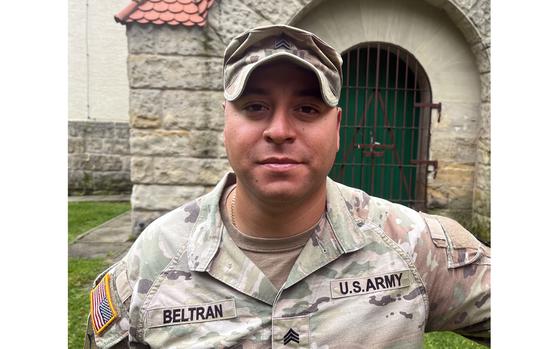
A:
(436, 106)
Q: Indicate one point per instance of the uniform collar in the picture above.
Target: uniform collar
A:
(348, 227)
(207, 233)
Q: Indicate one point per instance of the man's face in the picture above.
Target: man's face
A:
(280, 136)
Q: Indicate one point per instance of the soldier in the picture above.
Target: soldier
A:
(278, 255)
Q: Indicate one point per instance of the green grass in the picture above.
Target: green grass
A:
(81, 273)
(83, 216)
(448, 340)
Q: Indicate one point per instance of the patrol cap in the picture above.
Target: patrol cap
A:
(261, 45)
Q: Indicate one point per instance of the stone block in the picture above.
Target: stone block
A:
(192, 41)
(455, 175)
(485, 114)
(480, 15)
(163, 197)
(458, 120)
(275, 12)
(482, 177)
(76, 145)
(461, 20)
(116, 146)
(74, 129)
(98, 129)
(95, 162)
(449, 197)
(483, 155)
(94, 145)
(175, 72)
(184, 143)
(193, 110)
(80, 182)
(126, 164)
(481, 202)
(111, 182)
(481, 226)
(178, 170)
(145, 103)
(482, 56)
(141, 38)
(122, 130)
(449, 149)
(175, 40)
(230, 18)
(485, 87)
(465, 5)
(146, 122)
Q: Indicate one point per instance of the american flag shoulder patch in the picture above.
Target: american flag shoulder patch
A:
(103, 312)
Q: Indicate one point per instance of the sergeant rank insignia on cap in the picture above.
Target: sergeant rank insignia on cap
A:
(282, 42)
(102, 311)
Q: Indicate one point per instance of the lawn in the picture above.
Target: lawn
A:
(81, 273)
(83, 216)
(86, 215)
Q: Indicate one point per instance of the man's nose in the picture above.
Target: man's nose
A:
(280, 129)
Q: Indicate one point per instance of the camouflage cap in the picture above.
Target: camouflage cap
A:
(261, 45)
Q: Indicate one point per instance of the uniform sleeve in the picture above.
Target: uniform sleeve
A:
(108, 320)
(456, 269)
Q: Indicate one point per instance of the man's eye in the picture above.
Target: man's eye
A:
(308, 110)
(255, 108)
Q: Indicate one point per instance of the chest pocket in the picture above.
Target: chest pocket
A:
(461, 246)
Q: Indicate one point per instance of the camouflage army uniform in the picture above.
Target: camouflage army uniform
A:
(377, 276)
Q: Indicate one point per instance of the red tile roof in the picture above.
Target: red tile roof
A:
(172, 12)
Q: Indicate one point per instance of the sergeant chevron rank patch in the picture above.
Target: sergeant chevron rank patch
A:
(102, 311)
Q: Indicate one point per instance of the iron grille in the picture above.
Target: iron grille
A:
(384, 133)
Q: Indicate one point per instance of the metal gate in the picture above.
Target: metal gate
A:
(385, 129)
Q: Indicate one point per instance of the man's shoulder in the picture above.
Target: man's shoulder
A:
(166, 234)
(376, 210)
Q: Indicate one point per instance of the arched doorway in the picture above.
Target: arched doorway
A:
(385, 130)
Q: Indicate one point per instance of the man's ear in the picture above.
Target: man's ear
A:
(338, 121)
(224, 105)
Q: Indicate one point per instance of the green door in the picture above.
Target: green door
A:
(383, 133)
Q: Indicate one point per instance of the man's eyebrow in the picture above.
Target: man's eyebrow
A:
(309, 92)
(252, 90)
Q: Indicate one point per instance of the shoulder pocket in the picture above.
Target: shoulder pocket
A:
(461, 246)
(108, 312)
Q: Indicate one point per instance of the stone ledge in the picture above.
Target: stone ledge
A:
(177, 40)
(163, 197)
(175, 72)
(200, 144)
(178, 170)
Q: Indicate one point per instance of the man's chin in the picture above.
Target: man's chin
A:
(284, 191)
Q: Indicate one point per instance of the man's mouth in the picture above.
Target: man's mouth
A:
(279, 163)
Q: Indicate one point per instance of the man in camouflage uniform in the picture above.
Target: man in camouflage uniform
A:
(278, 255)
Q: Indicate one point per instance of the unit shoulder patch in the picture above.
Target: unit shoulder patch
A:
(102, 310)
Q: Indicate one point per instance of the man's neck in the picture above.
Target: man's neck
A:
(264, 219)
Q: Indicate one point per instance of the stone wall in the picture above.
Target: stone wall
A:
(478, 12)
(176, 115)
(98, 158)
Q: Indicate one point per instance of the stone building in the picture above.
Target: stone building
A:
(416, 97)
